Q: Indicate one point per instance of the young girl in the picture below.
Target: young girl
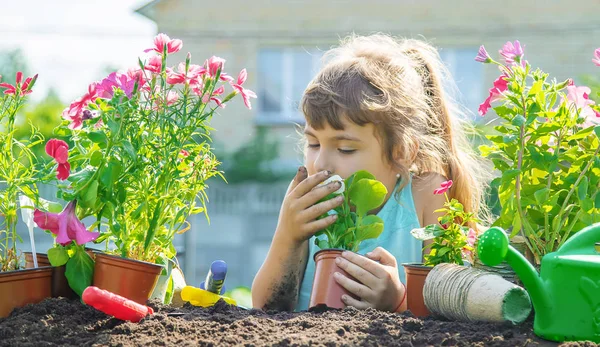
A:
(377, 105)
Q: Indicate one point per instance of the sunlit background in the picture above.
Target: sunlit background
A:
(73, 43)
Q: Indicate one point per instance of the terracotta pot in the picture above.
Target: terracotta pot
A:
(60, 285)
(129, 278)
(23, 287)
(415, 281)
(325, 289)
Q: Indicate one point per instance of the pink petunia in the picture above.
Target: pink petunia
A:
(161, 40)
(74, 112)
(596, 59)
(578, 98)
(500, 86)
(471, 239)
(512, 52)
(444, 186)
(246, 93)
(65, 225)
(124, 81)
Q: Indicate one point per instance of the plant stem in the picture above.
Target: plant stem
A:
(571, 191)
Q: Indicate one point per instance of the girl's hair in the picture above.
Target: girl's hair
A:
(396, 84)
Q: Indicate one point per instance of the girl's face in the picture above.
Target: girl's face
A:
(344, 152)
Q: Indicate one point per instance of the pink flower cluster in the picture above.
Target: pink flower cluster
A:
(195, 77)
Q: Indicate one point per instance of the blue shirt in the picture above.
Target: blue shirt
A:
(399, 217)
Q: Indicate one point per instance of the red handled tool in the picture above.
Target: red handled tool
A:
(115, 305)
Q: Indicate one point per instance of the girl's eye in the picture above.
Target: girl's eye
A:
(313, 145)
(346, 151)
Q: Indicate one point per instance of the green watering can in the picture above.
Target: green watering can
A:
(566, 294)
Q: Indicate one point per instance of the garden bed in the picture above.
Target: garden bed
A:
(68, 322)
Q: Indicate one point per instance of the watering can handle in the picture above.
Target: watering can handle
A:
(585, 239)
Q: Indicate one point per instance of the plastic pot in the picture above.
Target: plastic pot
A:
(132, 279)
(325, 289)
(60, 285)
(415, 281)
(22, 287)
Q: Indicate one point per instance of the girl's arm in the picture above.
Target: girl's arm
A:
(277, 283)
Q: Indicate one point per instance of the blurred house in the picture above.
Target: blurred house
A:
(280, 43)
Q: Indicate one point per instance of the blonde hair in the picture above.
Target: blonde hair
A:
(396, 84)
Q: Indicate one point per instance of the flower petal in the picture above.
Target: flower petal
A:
(46, 220)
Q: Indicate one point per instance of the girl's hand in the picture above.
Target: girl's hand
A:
(378, 283)
(299, 211)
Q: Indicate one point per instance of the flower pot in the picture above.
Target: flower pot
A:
(415, 281)
(60, 285)
(132, 279)
(23, 287)
(503, 269)
(325, 289)
(466, 294)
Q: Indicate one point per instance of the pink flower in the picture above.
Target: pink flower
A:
(483, 56)
(213, 97)
(246, 93)
(65, 225)
(179, 77)
(59, 150)
(214, 64)
(512, 52)
(162, 40)
(443, 187)
(500, 86)
(471, 238)
(184, 153)
(596, 59)
(125, 82)
(20, 89)
(578, 98)
(154, 64)
(172, 97)
(74, 112)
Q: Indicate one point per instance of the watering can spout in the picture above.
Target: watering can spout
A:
(493, 248)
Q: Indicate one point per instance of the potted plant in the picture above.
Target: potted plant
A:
(362, 193)
(452, 241)
(545, 146)
(139, 162)
(18, 177)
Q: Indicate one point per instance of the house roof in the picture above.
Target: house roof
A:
(149, 10)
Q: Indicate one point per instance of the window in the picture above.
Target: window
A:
(468, 75)
(284, 73)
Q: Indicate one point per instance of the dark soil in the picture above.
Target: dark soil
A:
(65, 322)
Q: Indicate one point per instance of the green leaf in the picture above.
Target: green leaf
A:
(91, 193)
(371, 227)
(597, 201)
(128, 147)
(443, 251)
(98, 137)
(583, 133)
(582, 189)
(58, 256)
(597, 130)
(170, 291)
(96, 158)
(509, 175)
(541, 196)
(113, 126)
(429, 232)
(80, 271)
(587, 204)
(366, 194)
(518, 120)
(152, 227)
(357, 176)
(322, 244)
(536, 87)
